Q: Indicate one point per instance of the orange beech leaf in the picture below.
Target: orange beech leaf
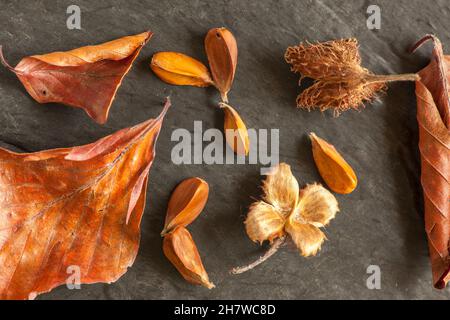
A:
(77, 207)
(86, 78)
(433, 117)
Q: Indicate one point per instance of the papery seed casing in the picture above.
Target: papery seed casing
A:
(179, 69)
(180, 249)
(281, 188)
(221, 49)
(235, 131)
(335, 171)
(264, 222)
(186, 203)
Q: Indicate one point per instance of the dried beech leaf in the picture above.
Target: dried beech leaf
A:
(180, 249)
(281, 189)
(236, 133)
(69, 207)
(264, 222)
(433, 117)
(221, 49)
(180, 69)
(186, 203)
(86, 77)
(335, 171)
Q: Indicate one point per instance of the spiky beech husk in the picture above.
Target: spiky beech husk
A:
(340, 82)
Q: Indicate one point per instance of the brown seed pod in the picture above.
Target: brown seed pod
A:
(264, 222)
(317, 206)
(340, 82)
(286, 211)
(221, 49)
(180, 249)
(235, 130)
(335, 171)
(179, 69)
(186, 203)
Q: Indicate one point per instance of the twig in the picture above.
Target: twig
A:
(270, 252)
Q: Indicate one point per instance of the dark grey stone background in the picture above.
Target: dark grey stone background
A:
(380, 223)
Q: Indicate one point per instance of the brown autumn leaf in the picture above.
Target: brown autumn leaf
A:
(186, 203)
(433, 117)
(86, 77)
(73, 207)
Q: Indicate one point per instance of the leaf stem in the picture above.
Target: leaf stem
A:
(270, 252)
(4, 62)
(373, 78)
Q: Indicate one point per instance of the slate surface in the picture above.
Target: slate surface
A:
(380, 223)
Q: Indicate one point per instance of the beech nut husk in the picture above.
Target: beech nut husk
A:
(286, 210)
(186, 203)
(236, 133)
(221, 49)
(180, 249)
(335, 171)
(179, 69)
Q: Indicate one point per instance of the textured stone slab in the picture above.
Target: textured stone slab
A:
(380, 223)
